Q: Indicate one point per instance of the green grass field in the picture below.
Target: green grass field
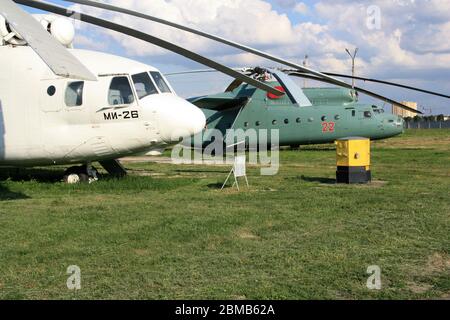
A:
(168, 232)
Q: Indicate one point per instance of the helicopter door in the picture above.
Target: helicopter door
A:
(50, 96)
(352, 120)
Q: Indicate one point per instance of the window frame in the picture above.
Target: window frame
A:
(82, 94)
(151, 81)
(130, 83)
(165, 82)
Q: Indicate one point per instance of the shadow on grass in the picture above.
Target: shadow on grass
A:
(215, 186)
(316, 148)
(27, 175)
(319, 180)
(7, 195)
(202, 171)
(42, 175)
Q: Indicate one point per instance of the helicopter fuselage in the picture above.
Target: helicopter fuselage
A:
(327, 115)
(48, 120)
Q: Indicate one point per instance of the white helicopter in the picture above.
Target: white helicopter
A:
(62, 106)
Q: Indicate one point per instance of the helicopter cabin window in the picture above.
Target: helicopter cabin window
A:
(144, 85)
(120, 92)
(377, 110)
(367, 114)
(353, 113)
(160, 82)
(51, 91)
(74, 94)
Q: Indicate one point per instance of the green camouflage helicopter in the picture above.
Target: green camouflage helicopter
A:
(302, 116)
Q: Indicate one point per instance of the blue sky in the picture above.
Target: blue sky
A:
(410, 44)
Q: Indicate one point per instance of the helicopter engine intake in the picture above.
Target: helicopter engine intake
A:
(60, 28)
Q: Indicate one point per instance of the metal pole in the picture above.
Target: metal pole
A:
(305, 64)
(353, 57)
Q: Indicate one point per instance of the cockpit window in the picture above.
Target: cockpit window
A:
(120, 92)
(159, 80)
(377, 109)
(74, 94)
(144, 85)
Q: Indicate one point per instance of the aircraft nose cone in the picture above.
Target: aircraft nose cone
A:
(180, 120)
(393, 125)
(197, 121)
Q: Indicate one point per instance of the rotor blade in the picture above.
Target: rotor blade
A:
(331, 74)
(191, 72)
(361, 90)
(306, 75)
(389, 84)
(54, 54)
(150, 39)
(212, 37)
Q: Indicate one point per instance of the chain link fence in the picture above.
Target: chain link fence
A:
(424, 124)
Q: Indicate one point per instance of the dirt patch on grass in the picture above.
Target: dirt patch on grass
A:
(437, 263)
(142, 252)
(446, 296)
(142, 173)
(371, 185)
(419, 288)
(239, 298)
(246, 234)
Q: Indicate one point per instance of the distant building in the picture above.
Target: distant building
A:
(402, 112)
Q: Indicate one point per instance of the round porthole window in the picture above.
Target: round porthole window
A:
(324, 118)
(245, 124)
(286, 121)
(299, 120)
(274, 122)
(258, 123)
(337, 117)
(51, 91)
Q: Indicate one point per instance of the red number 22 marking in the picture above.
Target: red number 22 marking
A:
(328, 127)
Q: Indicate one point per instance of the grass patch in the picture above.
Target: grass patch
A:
(173, 234)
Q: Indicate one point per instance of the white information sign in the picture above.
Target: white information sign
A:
(239, 170)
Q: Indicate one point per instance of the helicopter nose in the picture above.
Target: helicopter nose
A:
(400, 123)
(180, 120)
(393, 125)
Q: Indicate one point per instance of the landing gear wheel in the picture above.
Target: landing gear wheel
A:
(82, 174)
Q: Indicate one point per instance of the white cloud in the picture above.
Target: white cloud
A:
(89, 43)
(301, 8)
(409, 29)
(251, 21)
